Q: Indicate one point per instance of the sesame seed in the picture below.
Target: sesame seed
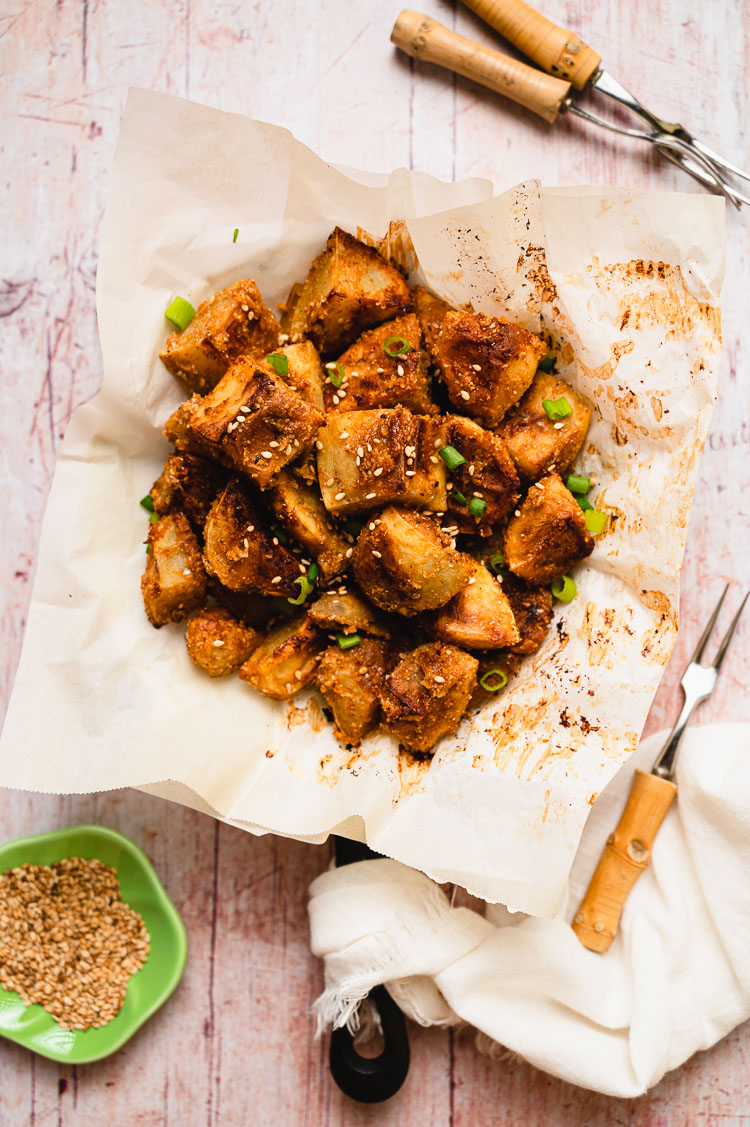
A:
(251, 528)
(340, 496)
(377, 555)
(558, 426)
(336, 399)
(369, 446)
(283, 338)
(477, 367)
(187, 571)
(348, 553)
(477, 494)
(518, 512)
(250, 315)
(342, 394)
(472, 580)
(400, 369)
(274, 445)
(275, 541)
(289, 686)
(377, 472)
(288, 450)
(266, 454)
(465, 395)
(344, 434)
(438, 443)
(360, 451)
(218, 642)
(331, 364)
(380, 371)
(434, 459)
(358, 461)
(298, 675)
(411, 473)
(246, 410)
(302, 568)
(371, 525)
(342, 591)
(369, 496)
(276, 579)
(439, 680)
(246, 543)
(318, 445)
(245, 308)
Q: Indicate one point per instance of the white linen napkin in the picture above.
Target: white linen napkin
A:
(676, 979)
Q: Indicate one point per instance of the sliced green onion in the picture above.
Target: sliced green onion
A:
(564, 589)
(154, 518)
(547, 363)
(147, 502)
(494, 688)
(451, 457)
(148, 549)
(458, 496)
(497, 562)
(354, 526)
(236, 233)
(400, 346)
(577, 484)
(477, 507)
(180, 313)
(279, 362)
(557, 408)
(313, 572)
(280, 535)
(596, 522)
(584, 503)
(348, 641)
(305, 588)
(335, 373)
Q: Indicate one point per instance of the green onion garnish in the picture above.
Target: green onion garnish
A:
(547, 363)
(313, 572)
(451, 457)
(577, 484)
(147, 502)
(180, 313)
(348, 641)
(494, 688)
(564, 589)
(305, 587)
(335, 373)
(354, 526)
(497, 562)
(477, 507)
(236, 233)
(280, 535)
(154, 518)
(584, 503)
(596, 522)
(279, 363)
(458, 496)
(557, 408)
(148, 549)
(396, 346)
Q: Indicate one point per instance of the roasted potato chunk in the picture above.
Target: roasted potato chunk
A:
(478, 618)
(488, 474)
(286, 660)
(404, 563)
(349, 288)
(532, 610)
(352, 682)
(536, 443)
(347, 614)
(232, 323)
(302, 513)
(427, 694)
(486, 363)
(367, 459)
(218, 643)
(174, 582)
(305, 373)
(374, 378)
(241, 553)
(254, 422)
(189, 485)
(430, 311)
(548, 537)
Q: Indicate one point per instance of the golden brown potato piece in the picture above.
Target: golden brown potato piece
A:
(489, 474)
(174, 582)
(548, 537)
(254, 422)
(532, 610)
(430, 311)
(478, 618)
(352, 683)
(536, 443)
(349, 288)
(367, 459)
(241, 553)
(286, 660)
(374, 378)
(189, 485)
(427, 694)
(302, 513)
(347, 614)
(486, 364)
(177, 430)
(232, 323)
(404, 563)
(218, 643)
(305, 372)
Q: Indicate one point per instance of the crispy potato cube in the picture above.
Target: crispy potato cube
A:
(232, 323)
(536, 443)
(240, 552)
(486, 364)
(352, 683)
(218, 643)
(406, 564)
(430, 311)
(286, 660)
(374, 378)
(347, 614)
(174, 582)
(349, 288)
(189, 485)
(532, 610)
(478, 618)
(305, 373)
(367, 459)
(302, 513)
(489, 474)
(254, 422)
(427, 694)
(548, 537)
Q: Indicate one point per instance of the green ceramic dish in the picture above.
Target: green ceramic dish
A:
(32, 1026)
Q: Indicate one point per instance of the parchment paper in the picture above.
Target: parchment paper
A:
(628, 280)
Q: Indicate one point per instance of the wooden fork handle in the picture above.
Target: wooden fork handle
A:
(424, 38)
(626, 854)
(560, 52)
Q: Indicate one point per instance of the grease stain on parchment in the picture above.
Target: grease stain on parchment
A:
(656, 643)
(603, 628)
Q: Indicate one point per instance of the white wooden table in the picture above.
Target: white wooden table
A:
(235, 1044)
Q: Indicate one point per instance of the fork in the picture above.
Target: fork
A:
(628, 850)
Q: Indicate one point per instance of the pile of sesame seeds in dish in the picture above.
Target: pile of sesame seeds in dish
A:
(68, 941)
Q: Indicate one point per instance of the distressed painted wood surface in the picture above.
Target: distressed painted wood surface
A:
(235, 1045)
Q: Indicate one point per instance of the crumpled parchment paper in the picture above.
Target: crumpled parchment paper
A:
(628, 281)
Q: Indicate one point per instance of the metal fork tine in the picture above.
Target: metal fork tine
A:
(709, 627)
(728, 636)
